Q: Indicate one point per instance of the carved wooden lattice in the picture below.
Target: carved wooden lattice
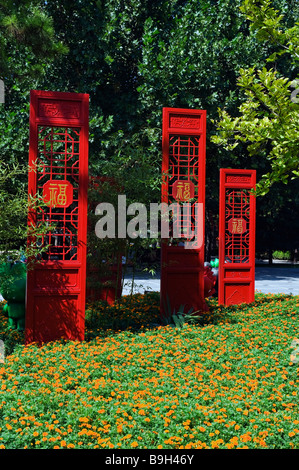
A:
(183, 182)
(237, 225)
(236, 237)
(58, 160)
(184, 154)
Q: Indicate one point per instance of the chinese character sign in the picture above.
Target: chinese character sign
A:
(183, 190)
(237, 226)
(58, 193)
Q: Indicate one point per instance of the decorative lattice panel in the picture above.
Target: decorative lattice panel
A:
(58, 177)
(183, 184)
(236, 237)
(184, 154)
(58, 164)
(237, 225)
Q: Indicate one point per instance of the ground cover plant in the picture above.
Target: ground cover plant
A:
(228, 381)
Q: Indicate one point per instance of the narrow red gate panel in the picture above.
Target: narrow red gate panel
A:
(183, 181)
(236, 237)
(58, 173)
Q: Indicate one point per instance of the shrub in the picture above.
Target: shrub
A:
(282, 255)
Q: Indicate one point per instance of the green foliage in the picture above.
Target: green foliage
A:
(12, 338)
(14, 229)
(27, 40)
(268, 119)
(282, 255)
(132, 312)
(102, 253)
(178, 318)
(269, 25)
(13, 206)
(231, 383)
(133, 58)
(28, 46)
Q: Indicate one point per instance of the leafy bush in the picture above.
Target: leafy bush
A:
(131, 312)
(10, 337)
(282, 255)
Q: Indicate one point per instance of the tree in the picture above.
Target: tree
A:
(136, 57)
(133, 58)
(27, 39)
(268, 119)
(27, 45)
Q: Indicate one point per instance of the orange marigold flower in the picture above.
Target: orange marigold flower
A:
(216, 444)
(83, 419)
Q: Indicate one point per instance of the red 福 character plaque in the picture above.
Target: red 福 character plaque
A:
(236, 237)
(183, 183)
(58, 174)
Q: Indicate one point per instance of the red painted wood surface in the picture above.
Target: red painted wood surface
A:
(183, 149)
(58, 156)
(237, 206)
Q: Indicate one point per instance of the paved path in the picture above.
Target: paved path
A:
(275, 280)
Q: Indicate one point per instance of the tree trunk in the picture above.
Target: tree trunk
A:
(270, 251)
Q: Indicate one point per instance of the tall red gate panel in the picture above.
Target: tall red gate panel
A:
(183, 181)
(236, 237)
(58, 173)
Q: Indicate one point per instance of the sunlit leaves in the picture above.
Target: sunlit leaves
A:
(268, 120)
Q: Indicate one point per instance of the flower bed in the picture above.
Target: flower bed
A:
(226, 382)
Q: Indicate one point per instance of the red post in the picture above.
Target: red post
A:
(58, 172)
(236, 237)
(183, 181)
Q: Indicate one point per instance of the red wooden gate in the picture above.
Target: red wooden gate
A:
(183, 181)
(236, 237)
(58, 156)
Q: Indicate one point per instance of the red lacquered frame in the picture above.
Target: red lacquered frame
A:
(58, 152)
(237, 207)
(184, 154)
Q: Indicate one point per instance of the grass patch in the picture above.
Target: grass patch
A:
(227, 381)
